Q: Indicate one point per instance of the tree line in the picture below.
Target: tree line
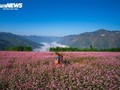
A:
(64, 49)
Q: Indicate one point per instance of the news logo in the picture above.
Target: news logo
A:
(11, 6)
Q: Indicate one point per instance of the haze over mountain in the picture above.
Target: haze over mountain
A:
(9, 39)
(100, 39)
(41, 39)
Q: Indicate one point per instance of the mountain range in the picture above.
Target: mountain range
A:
(41, 39)
(9, 39)
(99, 39)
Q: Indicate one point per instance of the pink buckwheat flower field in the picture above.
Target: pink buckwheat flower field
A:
(80, 71)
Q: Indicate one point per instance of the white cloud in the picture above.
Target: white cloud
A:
(46, 46)
(102, 34)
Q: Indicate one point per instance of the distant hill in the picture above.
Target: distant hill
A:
(41, 39)
(9, 39)
(100, 39)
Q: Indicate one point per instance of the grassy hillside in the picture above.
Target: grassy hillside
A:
(8, 39)
(100, 39)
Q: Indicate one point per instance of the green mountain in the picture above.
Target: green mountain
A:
(9, 39)
(100, 39)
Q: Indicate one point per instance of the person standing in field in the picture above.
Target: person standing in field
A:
(59, 59)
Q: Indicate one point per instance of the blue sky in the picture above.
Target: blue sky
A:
(60, 17)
